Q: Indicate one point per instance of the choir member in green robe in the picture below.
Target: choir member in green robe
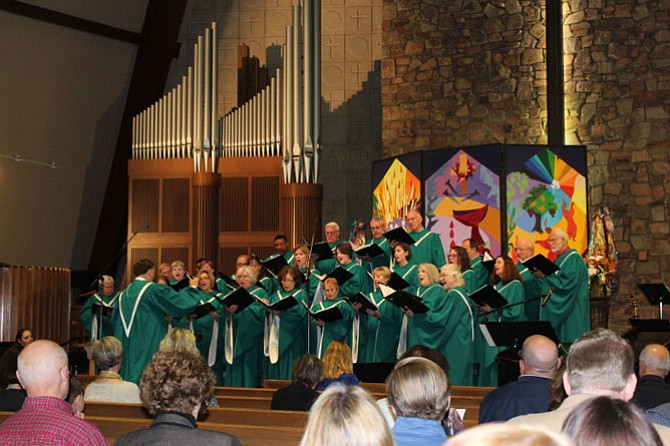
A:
(427, 247)
(140, 317)
(507, 281)
(205, 327)
(90, 320)
(339, 330)
(265, 279)
(332, 231)
(481, 274)
(524, 249)
(428, 329)
(383, 325)
(568, 308)
(280, 243)
(377, 229)
(459, 325)
(310, 283)
(290, 325)
(404, 267)
(459, 256)
(179, 279)
(244, 335)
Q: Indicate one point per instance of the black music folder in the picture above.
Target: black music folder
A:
(397, 282)
(540, 263)
(487, 295)
(274, 264)
(106, 311)
(240, 297)
(513, 334)
(361, 298)
(340, 274)
(282, 304)
(229, 281)
(488, 261)
(403, 300)
(327, 315)
(203, 310)
(178, 286)
(322, 251)
(398, 235)
(371, 250)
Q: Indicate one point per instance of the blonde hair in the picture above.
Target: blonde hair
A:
(107, 352)
(383, 272)
(179, 339)
(331, 281)
(502, 434)
(346, 415)
(453, 272)
(431, 271)
(337, 360)
(249, 271)
(418, 388)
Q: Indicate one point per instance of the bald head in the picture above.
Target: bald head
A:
(539, 357)
(654, 360)
(524, 249)
(42, 369)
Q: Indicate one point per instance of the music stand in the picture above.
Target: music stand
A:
(513, 334)
(651, 325)
(655, 293)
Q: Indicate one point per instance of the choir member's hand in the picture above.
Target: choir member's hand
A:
(264, 300)
(485, 308)
(319, 322)
(276, 312)
(193, 283)
(356, 306)
(373, 313)
(213, 315)
(539, 274)
(409, 313)
(231, 309)
(169, 319)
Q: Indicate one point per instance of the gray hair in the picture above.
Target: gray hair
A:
(107, 352)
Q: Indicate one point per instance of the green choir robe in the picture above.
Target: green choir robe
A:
(428, 328)
(359, 283)
(470, 282)
(427, 248)
(382, 332)
(292, 339)
(459, 330)
(203, 330)
(86, 315)
(339, 330)
(269, 284)
(532, 290)
(513, 293)
(140, 324)
(481, 274)
(380, 260)
(326, 266)
(568, 308)
(409, 272)
(246, 368)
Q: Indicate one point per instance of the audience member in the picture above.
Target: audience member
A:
(174, 386)
(606, 421)
(75, 397)
(497, 434)
(23, 337)
(300, 394)
(346, 415)
(337, 366)
(652, 390)
(13, 395)
(600, 363)
(109, 387)
(179, 339)
(45, 417)
(531, 393)
(418, 392)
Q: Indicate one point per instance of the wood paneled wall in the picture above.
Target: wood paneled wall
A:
(35, 298)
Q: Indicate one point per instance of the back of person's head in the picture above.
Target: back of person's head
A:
(539, 355)
(8, 367)
(179, 339)
(605, 421)
(654, 360)
(502, 434)
(176, 381)
(75, 395)
(421, 351)
(600, 362)
(346, 415)
(142, 266)
(308, 370)
(418, 388)
(107, 352)
(337, 360)
(43, 369)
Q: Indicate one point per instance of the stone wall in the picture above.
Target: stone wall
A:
(467, 72)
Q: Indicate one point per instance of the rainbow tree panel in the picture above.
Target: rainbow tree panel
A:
(398, 188)
(462, 195)
(546, 188)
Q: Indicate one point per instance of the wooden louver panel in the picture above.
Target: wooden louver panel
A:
(175, 205)
(234, 205)
(265, 203)
(145, 205)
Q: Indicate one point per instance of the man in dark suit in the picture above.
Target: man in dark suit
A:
(300, 395)
(531, 393)
(652, 390)
(173, 387)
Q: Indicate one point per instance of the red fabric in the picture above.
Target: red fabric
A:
(47, 420)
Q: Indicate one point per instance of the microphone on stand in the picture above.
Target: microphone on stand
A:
(547, 296)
